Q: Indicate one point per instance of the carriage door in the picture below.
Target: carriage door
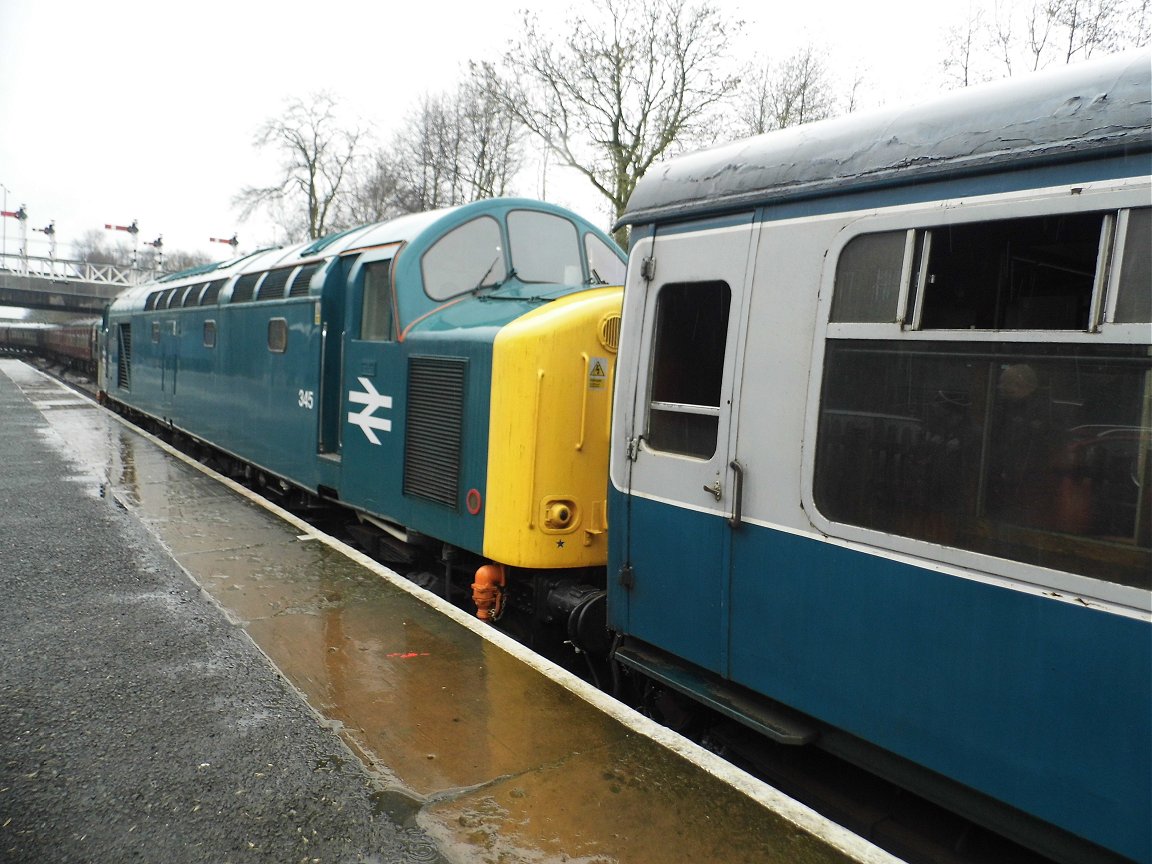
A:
(690, 288)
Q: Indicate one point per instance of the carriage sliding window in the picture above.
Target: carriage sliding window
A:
(1037, 450)
(691, 329)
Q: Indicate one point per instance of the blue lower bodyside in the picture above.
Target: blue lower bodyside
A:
(1040, 703)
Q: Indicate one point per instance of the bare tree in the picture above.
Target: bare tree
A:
(624, 86)
(796, 90)
(451, 149)
(963, 42)
(317, 155)
(178, 260)
(376, 195)
(1033, 34)
(94, 247)
(1090, 26)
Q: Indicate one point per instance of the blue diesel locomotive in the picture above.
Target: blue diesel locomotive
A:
(446, 375)
(881, 477)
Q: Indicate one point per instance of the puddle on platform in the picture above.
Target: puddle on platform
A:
(496, 761)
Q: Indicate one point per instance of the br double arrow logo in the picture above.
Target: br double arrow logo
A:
(366, 419)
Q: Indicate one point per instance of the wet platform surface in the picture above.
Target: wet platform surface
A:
(497, 755)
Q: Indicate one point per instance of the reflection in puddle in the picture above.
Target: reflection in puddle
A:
(495, 761)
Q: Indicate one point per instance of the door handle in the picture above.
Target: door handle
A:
(737, 493)
(716, 490)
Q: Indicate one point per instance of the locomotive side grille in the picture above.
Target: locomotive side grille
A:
(303, 279)
(610, 331)
(192, 295)
(242, 290)
(434, 433)
(212, 292)
(272, 288)
(124, 367)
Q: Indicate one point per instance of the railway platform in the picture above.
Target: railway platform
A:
(192, 674)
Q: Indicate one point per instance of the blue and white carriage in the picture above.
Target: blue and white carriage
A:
(881, 476)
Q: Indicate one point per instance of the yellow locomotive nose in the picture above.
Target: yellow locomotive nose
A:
(546, 498)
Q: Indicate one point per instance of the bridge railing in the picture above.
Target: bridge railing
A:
(58, 269)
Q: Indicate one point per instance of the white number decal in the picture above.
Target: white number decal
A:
(304, 399)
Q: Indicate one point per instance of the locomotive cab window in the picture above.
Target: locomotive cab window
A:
(468, 257)
(278, 335)
(544, 247)
(691, 330)
(376, 317)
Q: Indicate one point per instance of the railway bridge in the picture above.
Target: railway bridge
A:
(60, 285)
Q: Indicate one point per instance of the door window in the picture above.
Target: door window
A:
(688, 367)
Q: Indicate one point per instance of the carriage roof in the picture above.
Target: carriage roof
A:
(1088, 110)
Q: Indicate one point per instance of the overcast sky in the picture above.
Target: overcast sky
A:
(129, 110)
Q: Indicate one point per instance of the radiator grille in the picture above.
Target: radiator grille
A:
(610, 331)
(242, 290)
(303, 280)
(272, 288)
(124, 366)
(212, 292)
(434, 432)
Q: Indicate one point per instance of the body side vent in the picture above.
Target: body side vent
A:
(272, 288)
(124, 366)
(243, 289)
(303, 280)
(434, 432)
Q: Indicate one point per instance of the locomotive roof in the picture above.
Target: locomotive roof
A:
(415, 229)
(1090, 109)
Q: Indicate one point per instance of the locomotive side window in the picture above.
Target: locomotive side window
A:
(468, 257)
(209, 334)
(688, 367)
(376, 310)
(155, 331)
(278, 335)
(1037, 450)
(544, 247)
